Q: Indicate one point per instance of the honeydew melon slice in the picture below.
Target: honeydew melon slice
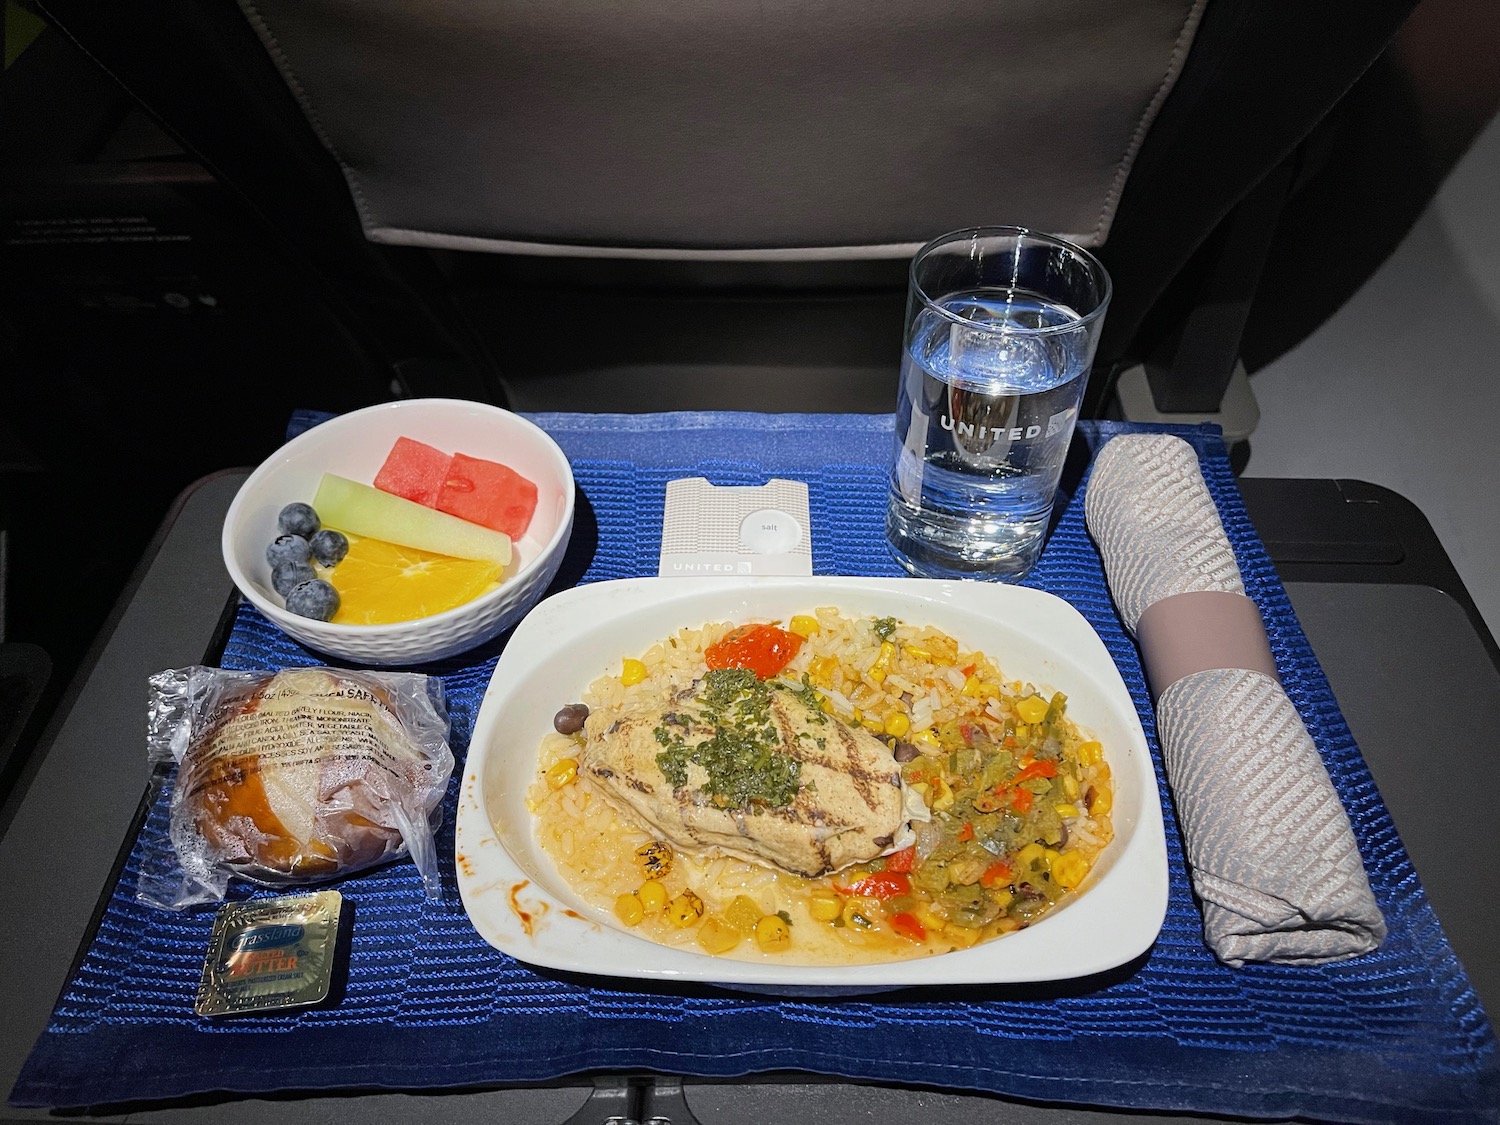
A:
(358, 509)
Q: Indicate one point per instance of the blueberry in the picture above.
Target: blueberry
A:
(286, 549)
(286, 575)
(328, 547)
(299, 519)
(315, 599)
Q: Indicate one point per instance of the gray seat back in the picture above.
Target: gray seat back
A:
(777, 129)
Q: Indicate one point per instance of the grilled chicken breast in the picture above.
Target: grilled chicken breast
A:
(848, 804)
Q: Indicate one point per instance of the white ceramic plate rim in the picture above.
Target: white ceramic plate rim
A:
(1115, 919)
(353, 421)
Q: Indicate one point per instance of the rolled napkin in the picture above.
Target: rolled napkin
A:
(1269, 847)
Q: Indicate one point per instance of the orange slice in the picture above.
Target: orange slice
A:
(380, 583)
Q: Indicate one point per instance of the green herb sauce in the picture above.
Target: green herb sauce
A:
(742, 756)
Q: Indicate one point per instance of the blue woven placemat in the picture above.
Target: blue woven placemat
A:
(1397, 1036)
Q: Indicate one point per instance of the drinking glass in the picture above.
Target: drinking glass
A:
(1001, 327)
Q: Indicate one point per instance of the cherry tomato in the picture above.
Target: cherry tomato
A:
(908, 927)
(764, 649)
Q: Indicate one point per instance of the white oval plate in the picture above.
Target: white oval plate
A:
(520, 904)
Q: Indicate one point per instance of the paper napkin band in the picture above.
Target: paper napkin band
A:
(1198, 631)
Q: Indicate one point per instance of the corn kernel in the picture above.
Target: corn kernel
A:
(654, 859)
(917, 652)
(1002, 896)
(825, 907)
(1029, 855)
(1070, 785)
(1068, 870)
(629, 910)
(1032, 709)
(632, 671)
(928, 739)
(972, 686)
(878, 670)
(1102, 772)
(803, 625)
(742, 914)
(685, 910)
(1101, 803)
(943, 797)
(1090, 753)
(931, 921)
(653, 896)
(1067, 810)
(563, 772)
(716, 936)
(772, 934)
(1023, 732)
(822, 670)
(897, 724)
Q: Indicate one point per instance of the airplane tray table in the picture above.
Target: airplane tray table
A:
(1332, 1043)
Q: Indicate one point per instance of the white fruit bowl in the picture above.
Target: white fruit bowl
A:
(355, 445)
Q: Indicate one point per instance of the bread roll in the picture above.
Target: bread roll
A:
(305, 777)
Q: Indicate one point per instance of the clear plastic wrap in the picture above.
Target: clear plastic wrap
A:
(293, 777)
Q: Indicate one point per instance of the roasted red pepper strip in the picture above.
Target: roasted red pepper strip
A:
(764, 649)
(882, 885)
(1036, 769)
(1020, 800)
(996, 875)
(908, 927)
(902, 861)
(967, 831)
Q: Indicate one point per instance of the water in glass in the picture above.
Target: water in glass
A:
(990, 388)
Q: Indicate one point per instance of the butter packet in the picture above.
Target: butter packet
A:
(269, 954)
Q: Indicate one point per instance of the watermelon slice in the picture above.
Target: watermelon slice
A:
(489, 494)
(414, 471)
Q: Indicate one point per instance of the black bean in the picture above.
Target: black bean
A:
(570, 719)
(906, 751)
